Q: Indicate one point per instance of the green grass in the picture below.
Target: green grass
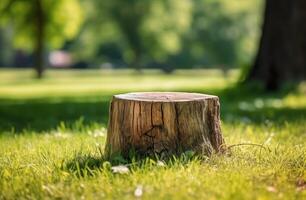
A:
(52, 135)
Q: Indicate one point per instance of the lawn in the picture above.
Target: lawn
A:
(52, 135)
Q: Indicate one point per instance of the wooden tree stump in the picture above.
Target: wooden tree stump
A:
(163, 123)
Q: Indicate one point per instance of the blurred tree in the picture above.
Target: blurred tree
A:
(223, 33)
(39, 24)
(282, 52)
(6, 49)
(148, 28)
(165, 33)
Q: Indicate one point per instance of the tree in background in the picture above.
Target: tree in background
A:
(165, 33)
(129, 15)
(223, 33)
(282, 51)
(147, 28)
(159, 33)
(41, 24)
(6, 48)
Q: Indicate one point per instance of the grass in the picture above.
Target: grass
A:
(52, 135)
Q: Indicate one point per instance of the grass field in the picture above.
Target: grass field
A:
(52, 134)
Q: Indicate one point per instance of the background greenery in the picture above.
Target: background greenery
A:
(163, 34)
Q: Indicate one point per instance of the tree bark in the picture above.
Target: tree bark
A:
(164, 124)
(40, 37)
(282, 50)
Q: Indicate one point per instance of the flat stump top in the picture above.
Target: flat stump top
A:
(164, 96)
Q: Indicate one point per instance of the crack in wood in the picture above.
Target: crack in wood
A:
(178, 127)
(152, 143)
(162, 113)
(152, 114)
(164, 128)
(133, 112)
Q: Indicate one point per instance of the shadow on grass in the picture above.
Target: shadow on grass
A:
(84, 165)
(254, 105)
(41, 115)
(45, 115)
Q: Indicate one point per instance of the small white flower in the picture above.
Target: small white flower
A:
(160, 163)
(120, 169)
(138, 191)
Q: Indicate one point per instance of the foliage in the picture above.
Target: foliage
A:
(140, 26)
(198, 32)
(53, 150)
(184, 33)
(62, 19)
(223, 33)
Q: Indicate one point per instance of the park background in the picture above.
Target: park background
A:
(137, 34)
(61, 62)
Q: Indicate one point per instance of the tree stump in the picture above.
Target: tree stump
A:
(163, 123)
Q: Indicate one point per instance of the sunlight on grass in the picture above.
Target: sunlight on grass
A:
(52, 135)
(107, 82)
(248, 172)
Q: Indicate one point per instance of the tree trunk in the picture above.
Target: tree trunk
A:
(136, 62)
(40, 37)
(282, 50)
(164, 124)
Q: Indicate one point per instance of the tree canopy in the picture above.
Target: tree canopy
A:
(148, 28)
(184, 33)
(62, 20)
(40, 24)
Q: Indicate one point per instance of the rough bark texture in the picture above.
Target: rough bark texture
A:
(163, 124)
(282, 50)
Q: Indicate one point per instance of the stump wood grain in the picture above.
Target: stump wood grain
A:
(163, 123)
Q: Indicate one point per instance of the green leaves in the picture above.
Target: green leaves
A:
(147, 28)
(61, 20)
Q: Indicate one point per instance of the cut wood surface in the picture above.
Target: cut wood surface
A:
(163, 123)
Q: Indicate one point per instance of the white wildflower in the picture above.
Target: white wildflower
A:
(120, 169)
(160, 163)
(138, 191)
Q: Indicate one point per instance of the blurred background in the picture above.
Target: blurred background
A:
(61, 61)
(160, 34)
